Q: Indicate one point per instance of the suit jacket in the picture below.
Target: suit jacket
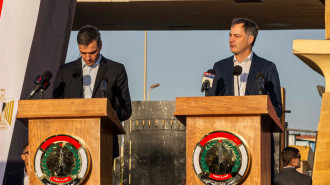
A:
(69, 84)
(223, 84)
(14, 178)
(290, 176)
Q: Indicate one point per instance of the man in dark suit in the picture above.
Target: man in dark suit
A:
(20, 177)
(289, 175)
(84, 77)
(242, 36)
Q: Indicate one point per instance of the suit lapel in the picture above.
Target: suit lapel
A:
(254, 69)
(80, 80)
(100, 75)
(232, 78)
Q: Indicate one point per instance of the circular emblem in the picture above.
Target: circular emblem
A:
(61, 159)
(221, 158)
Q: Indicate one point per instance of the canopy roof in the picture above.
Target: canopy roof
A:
(198, 14)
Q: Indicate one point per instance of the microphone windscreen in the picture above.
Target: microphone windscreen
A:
(260, 74)
(237, 70)
(47, 75)
(212, 71)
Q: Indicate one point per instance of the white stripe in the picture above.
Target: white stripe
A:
(37, 165)
(244, 160)
(196, 159)
(17, 25)
(84, 164)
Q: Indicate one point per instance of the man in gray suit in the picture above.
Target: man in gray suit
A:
(289, 175)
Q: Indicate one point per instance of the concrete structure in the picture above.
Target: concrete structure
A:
(316, 54)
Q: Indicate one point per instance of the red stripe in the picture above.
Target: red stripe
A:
(1, 2)
(61, 138)
(220, 177)
(61, 180)
(220, 134)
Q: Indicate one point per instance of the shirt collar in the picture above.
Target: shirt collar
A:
(249, 58)
(94, 65)
(25, 174)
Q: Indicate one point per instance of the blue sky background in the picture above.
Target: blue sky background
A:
(178, 59)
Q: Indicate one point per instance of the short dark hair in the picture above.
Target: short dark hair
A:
(250, 27)
(87, 34)
(289, 153)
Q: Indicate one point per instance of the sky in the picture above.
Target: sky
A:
(177, 60)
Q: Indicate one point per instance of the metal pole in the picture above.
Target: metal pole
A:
(145, 66)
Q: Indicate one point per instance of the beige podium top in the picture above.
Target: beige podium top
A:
(70, 108)
(226, 106)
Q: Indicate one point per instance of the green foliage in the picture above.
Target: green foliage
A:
(44, 166)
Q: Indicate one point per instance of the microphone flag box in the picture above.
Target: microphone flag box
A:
(209, 77)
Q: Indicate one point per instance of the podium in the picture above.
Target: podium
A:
(218, 120)
(86, 123)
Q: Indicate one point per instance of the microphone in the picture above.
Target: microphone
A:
(207, 81)
(103, 86)
(42, 83)
(237, 70)
(261, 83)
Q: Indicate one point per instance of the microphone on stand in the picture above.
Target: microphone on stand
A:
(261, 83)
(237, 70)
(42, 83)
(207, 81)
(103, 86)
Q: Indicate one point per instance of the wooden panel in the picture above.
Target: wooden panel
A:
(265, 153)
(106, 157)
(222, 105)
(41, 129)
(60, 108)
(70, 108)
(248, 127)
(327, 19)
(227, 106)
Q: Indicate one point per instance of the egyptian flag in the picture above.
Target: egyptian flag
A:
(34, 36)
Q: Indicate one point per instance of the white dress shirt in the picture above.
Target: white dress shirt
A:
(26, 178)
(242, 79)
(89, 76)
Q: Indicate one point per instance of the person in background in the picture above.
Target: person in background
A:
(20, 177)
(289, 175)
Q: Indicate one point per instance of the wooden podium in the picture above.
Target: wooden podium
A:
(93, 121)
(251, 117)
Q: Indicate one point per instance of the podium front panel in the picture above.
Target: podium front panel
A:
(98, 141)
(256, 135)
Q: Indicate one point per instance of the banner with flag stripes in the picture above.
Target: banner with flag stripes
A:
(34, 37)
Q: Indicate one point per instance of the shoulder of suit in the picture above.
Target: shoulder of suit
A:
(112, 63)
(224, 61)
(15, 173)
(261, 60)
(72, 64)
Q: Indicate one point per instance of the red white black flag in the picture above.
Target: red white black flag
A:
(34, 37)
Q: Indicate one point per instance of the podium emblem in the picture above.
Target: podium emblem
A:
(221, 158)
(61, 160)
